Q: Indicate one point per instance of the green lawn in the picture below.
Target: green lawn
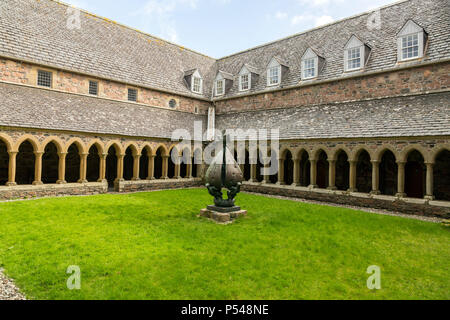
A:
(153, 246)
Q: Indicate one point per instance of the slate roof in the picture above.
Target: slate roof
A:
(329, 42)
(425, 115)
(37, 31)
(28, 107)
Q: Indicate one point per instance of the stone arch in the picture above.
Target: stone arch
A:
(186, 159)
(322, 168)
(114, 151)
(388, 171)
(5, 146)
(73, 162)
(78, 142)
(317, 150)
(363, 171)
(196, 167)
(403, 155)
(357, 151)
(144, 161)
(95, 150)
(131, 151)
(163, 148)
(98, 144)
(342, 177)
(415, 173)
(31, 139)
(288, 167)
(7, 141)
(303, 157)
(171, 174)
(161, 151)
(60, 146)
(335, 152)
(441, 174)
(50, 161)
(378, 154)
(274, 163)
(25, 161)
(117, 146)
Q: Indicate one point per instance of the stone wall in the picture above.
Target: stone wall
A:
(149, 185)
(409, 206)
(24, 73)
(52, 190)
(435, 77)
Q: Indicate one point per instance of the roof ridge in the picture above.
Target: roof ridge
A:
(316, 28)
(131, 28)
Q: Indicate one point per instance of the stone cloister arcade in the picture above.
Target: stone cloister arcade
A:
(30, 162)
(412, 172)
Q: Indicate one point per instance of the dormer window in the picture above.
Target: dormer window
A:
(220, 87)
(356, 54)
(197, 84)
(274, 76)
(194, 81)
(222, 83)
(312, 64)
(248, 76)
(244, 82)
(411, 42)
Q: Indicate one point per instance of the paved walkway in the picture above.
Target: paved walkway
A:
(8, 290)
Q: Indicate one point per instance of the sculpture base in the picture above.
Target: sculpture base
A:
(221, 216)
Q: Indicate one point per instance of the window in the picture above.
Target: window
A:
(93, 88)
(172, 103)
(353, 59)
(274, 75)
(132, 95)
(309, 68)
(410, 47)
(197, 85)
(220, 87)
(44, 79)
(244, 82)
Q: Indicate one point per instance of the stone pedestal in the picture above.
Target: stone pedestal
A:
(223, 215)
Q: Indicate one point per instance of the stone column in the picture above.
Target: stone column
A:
(429, 182)
(177, 171)
(136, 167)
(313, 184)
(38, 168)
(401, 179)
(375, 177)
(332, 174)
(102, 167)
(62, 168)
(296, 172)
(352, 176)
(151, 168)
(189, 169)
(120, 158)
(12, 168)
(266, 176)
(281, 177)
(253, 172)
(165, 167)
(83, 167)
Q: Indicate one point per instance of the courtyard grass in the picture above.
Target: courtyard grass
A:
(153, 246)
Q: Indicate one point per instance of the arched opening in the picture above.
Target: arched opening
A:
(288, 168)
(305, 169)
(259, 167)
(415, 174)
(4, 163)
(73, 162)
(247, 166)
(143, 164)
(195, 165)
(274, 164)
(171, 165)
(158, 163)
(128, 164)
(364, 173)
(342, 171)
(442, 176)
(186, 157)
(50, 164)
(111, 166)
(322, 170)
(25, 164)
(93, 165)
(388, 174)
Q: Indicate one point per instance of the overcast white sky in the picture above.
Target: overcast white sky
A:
(222, 27)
